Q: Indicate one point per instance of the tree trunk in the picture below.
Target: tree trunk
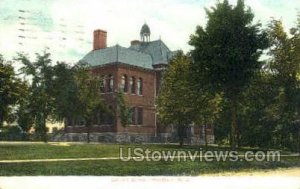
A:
(41, 129)
(233, 123)
(180, 134)
(88, 132)
(44, 129)
(88, 129)
(1, 118)
(298, 140)
(205, 135)
(180, 141)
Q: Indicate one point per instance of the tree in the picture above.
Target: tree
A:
(123, 109)
(205, 108)
(226, 54)
(181, 103)
(24, 113)
(174, 97)
(64, 92)
(10, 90)
(40, 99)
(285, 68)
(89, 99)
(258, 112)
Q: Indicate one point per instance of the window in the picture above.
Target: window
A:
(70, 121)
(106, 118)
(124, 83)
(81, 121)
(98, 118)
(110, 84)
(140, 86)
(110, 116)
(132, 113)
(102, 84)
(136, 116)
(132, 85)
(140, 116)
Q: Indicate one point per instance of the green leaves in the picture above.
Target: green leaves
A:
(123, 109)
(39, 103)
(174, 104)
(226, 53)
(10, 90)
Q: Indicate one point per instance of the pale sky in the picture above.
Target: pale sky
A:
(66, 26)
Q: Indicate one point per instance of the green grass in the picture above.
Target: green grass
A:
(13, 151)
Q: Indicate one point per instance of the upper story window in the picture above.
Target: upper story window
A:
(110, 83)
(102, 84)
(124, 83)
(132, 84)
(140, 86)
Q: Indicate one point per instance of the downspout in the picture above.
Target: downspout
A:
(155, 116)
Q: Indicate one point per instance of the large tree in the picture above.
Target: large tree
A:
(65, 90)
(10, 89)
(180, 103)
(285, 68)
(174, 97)
(40, 73)
(226, 53)
(89, 99)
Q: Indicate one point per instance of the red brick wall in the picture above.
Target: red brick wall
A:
(145, 101)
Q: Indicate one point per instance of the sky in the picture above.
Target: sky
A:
(65, 27)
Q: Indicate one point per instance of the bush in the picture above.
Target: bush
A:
(12, 133)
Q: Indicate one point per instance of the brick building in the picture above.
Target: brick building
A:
(137, 71)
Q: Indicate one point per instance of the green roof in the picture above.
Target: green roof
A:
(158, 50)
(118, 54)
(144, 54)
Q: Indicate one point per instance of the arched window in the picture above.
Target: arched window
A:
(110, 83)
(140, 86)
(132, 85)
(124, 83)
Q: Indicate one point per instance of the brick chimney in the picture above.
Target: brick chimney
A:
(135, 42)
(99, 39)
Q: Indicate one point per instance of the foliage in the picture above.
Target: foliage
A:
(268, 112)
(123, 109)
(226, 54)
(285, 68)
(179, 102)
(65, 92)
(12, 133)
(10, 90)
(40, 100)
(88, 93)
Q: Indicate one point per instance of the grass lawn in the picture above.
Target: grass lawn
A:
(25, 151)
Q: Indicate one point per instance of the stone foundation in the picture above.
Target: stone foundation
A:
(110, 137)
